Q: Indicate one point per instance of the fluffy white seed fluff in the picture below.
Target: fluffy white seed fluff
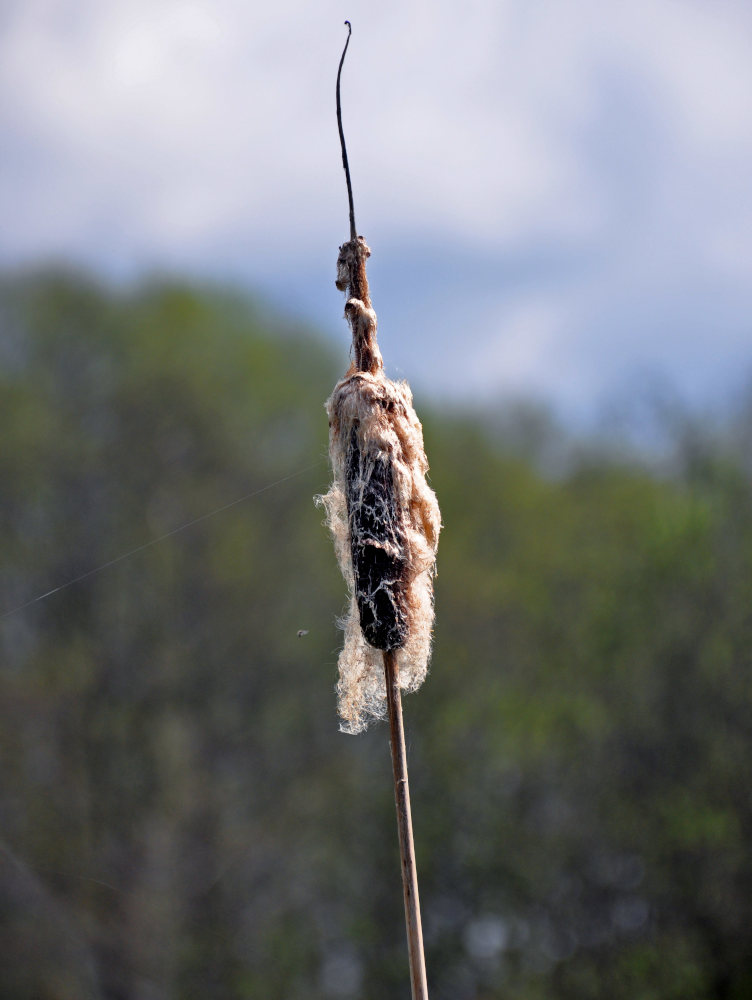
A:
(387, 427)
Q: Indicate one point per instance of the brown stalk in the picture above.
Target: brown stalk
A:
(405, 828)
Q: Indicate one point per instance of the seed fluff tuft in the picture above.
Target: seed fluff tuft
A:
(383, 516)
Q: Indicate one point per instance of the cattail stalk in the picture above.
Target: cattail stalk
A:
(405, 829)
(385, 522)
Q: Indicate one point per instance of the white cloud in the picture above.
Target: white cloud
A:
(520, 346)
(174, 131)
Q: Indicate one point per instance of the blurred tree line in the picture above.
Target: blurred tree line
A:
(179, 815)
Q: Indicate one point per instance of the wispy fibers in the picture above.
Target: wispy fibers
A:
(383, 515)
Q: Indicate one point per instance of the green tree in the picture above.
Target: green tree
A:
(181, 817)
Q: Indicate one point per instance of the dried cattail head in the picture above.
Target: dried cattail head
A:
(383, 516)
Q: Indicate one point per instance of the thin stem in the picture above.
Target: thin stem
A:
(405, 827)
(353, 231)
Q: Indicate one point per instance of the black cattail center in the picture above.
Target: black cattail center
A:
(377, 545)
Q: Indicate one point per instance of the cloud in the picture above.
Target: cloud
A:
(598, 155)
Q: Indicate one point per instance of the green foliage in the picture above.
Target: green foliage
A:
(181, 818)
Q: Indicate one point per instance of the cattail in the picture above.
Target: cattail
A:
(383, 515)
(385, 522)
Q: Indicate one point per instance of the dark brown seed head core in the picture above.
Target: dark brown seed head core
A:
(377, 546)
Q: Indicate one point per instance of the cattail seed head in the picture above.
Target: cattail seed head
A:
(383, 516)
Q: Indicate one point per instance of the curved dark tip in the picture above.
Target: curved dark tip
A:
(345, 164)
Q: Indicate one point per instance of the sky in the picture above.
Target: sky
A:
(558, 195)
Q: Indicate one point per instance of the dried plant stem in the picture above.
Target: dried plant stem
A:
(385, 521)
(405, 827)
(345, 164)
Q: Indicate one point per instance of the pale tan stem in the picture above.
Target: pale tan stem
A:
(405, 827)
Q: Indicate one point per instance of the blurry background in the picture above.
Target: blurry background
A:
(558, 201)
